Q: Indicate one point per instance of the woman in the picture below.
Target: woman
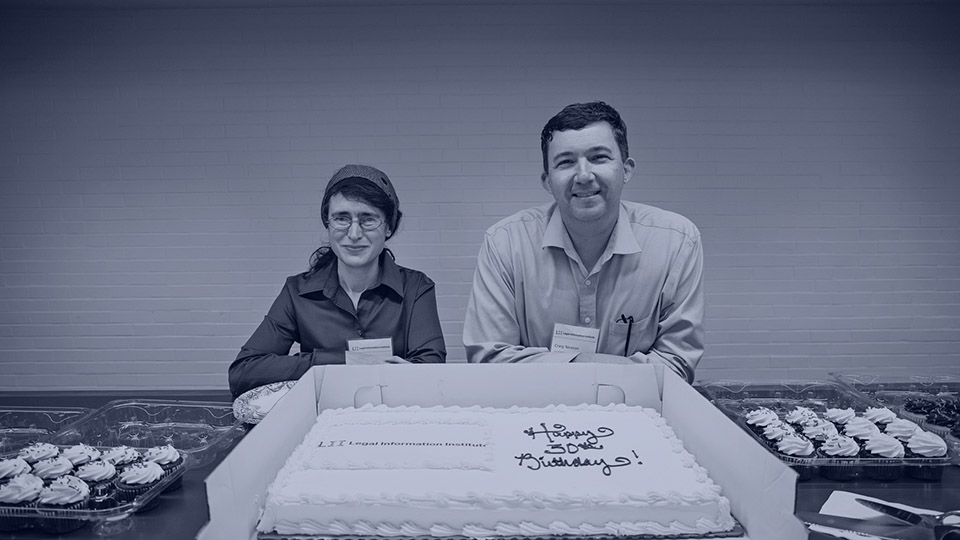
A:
(353, 291)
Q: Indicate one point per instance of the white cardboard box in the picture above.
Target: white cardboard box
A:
(761, 489)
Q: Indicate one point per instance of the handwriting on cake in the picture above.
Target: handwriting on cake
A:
(560, 431)
(560, 442)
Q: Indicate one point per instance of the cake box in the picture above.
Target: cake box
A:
(760, 488)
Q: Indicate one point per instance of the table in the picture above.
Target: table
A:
(183, 512)
(943, 495)
(180, 514)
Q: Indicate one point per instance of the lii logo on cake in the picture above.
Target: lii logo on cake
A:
(561, 442)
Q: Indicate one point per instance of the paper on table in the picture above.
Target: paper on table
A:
(840, 533)
(843, 503)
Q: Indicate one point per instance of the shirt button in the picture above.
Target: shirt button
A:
(360, 332)
(586, 320)
(587, 282)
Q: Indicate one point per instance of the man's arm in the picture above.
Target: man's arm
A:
(679, 343)
(491, 329)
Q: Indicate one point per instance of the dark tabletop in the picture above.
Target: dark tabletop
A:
(183, 512)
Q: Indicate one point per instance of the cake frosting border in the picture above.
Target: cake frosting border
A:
(710, 494)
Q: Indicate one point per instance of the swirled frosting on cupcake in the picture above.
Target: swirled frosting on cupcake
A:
(795, 445)
(901, 428)
(840, 446)
(761, 417)
(37, 451)
(927, 444)
(885, 446)
(96, 471)
(145, 472)
(162, 455)
(860, 428)
(800, 415)
(819, 429)
(13, 467)
(64, 490)
(777, 431)
(839, 416)
(23, 488)
(121, 455)
(80, 454)
(879, 415)
(52, 468)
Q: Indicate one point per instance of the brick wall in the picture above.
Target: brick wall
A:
(161, 170)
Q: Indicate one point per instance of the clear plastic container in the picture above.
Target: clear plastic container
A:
(21, 426)
(738, 398)
(932, 401)
(108, 515)
(199, 429)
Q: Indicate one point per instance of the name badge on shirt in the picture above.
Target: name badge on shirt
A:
(369, 351)
(568, 338)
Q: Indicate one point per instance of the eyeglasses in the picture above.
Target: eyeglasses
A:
(343, 222)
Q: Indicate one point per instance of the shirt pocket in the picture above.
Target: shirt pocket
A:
(640, 333)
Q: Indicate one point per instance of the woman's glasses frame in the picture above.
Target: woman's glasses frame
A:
(343, 222)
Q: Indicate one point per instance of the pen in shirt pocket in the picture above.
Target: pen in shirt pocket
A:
(629, 321)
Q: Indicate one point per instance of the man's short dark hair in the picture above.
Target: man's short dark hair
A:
(579, 116)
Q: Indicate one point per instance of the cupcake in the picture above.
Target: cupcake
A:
(169, 460)
(839, 417)
(37, 451)
(916, 409)
(759, 419)
(901, 429)
(21, 492)
(137, 479)
(879, 415)
(51, 468)
(80, 454)
(12, 467)
(121, 456)
(64, 493)
(800, 416)
(99, 475)
(919, 405)
(801, 449)
(925, 453)
(888, 454)
(841, 453)
(860, 429)
(941, 421)
(819, 430)
(776, 431)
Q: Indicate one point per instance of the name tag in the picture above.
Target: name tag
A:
(369, 351)
(567, 338)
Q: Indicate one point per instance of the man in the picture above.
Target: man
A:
(588, 278)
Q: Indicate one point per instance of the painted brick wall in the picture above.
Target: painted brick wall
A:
(161, 171)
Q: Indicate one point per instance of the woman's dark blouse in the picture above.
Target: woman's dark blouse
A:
(315, 311)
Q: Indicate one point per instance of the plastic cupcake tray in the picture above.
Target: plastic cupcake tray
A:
(21, 426)
(931, 401)
(113, 518)
(738, 398)
(198, 429)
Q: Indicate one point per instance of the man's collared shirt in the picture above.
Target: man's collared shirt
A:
(313, 310)
(529, 276)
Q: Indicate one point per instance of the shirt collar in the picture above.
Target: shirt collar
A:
(326, 279)
(622, 241)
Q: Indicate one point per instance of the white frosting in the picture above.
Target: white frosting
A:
(480, 472)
